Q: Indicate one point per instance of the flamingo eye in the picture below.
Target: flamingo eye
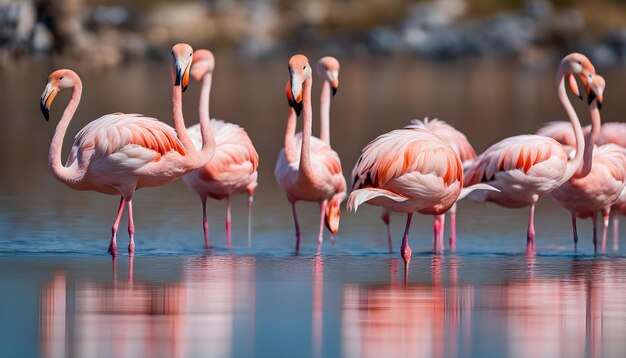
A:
(61, 78)
(304, 68)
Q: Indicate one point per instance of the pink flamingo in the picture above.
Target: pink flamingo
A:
(233, 168)
(407, 170)
(328, 70)
(119, 153)
(527, 167)
(603, 174)
(466, 153)
(315, 173)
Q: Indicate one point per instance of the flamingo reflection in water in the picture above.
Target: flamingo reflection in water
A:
(193, 317)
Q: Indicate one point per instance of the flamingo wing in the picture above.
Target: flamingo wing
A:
(612, 132)
(137, 136)
(401, 152)
(519, 153)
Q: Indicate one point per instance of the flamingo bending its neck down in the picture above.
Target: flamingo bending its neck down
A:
(119, 153)
(233, 168)
(604, 177)
(527, 167)
(407, 170)
(466, 153)
(314, 173)
(328, 70)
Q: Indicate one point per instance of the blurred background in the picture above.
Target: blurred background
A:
(108, 32)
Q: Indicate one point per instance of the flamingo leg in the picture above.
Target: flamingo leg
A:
(323, 204)
(438, 233)
(297, 225)
(606, 212)
(594, 218)
(453, 228)
(405, 250)
(131, 229)
(574, 230)
(530, 239)
(228, 234)
(615, 232)
(250, 200)
(113, 245)
(205, 225)
(385, 217)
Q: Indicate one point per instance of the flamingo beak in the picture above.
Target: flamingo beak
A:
(334, 85)
(46, 99)
(598, 97)
(573, 85)
(182, 74)
(293, 104)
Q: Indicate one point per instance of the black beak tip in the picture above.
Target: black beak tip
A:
(580, 96)
(599, 106)
(44, 110)
(334, 91)
(185, 88)
(592, 96)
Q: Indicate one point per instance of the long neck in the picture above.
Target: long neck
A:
(205, 94)
(574, 163)
(590, 140)
(305, 151)
(59, 171)
(325, 113)
(179, 122)
(290, 150)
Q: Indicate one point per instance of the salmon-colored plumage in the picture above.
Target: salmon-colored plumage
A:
(233, 169)
(119, 153)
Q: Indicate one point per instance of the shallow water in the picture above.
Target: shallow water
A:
(61, 295)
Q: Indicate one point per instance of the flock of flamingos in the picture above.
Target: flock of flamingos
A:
(425, 167)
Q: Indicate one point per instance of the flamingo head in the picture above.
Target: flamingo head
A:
(333, 214)
(299, 71)
(293, 104)
(595, 90)
(203, 63)
(328, 70)
(182, 56)
(576, 64)
(57, 82)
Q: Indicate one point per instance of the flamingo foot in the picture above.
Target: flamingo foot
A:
(131, 248)
(332, 240)
(113, 248)
(530, 243)
(298, 237)
(406, 252)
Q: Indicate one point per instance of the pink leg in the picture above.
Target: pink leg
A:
(113, 245)
(530, 239)
(250, 200)
(323, 204)
(205, 225)
(606, 212)
(295, 221)
(594, 218)
(228, 235)
(385, 217)
(131, 229)
(453, 228)
(438, 234)
(574, 230)
(615, 232)
(405, 250)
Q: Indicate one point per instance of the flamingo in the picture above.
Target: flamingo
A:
(527, 167)
(466, 153)
(233, 168)
(328, 70)
(604, 170)
(119, 153)
(407, 170)
(315, 173)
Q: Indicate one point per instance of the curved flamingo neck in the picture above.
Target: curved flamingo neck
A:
(59, 171)
(574, 163)
(290, 150)
(590, 140)
(205, 94)
(325, 99)
(304, 170)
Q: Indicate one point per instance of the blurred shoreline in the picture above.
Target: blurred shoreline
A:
(105, 33)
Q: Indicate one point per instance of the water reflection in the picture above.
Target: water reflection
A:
(533, 316)
(193, 317)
